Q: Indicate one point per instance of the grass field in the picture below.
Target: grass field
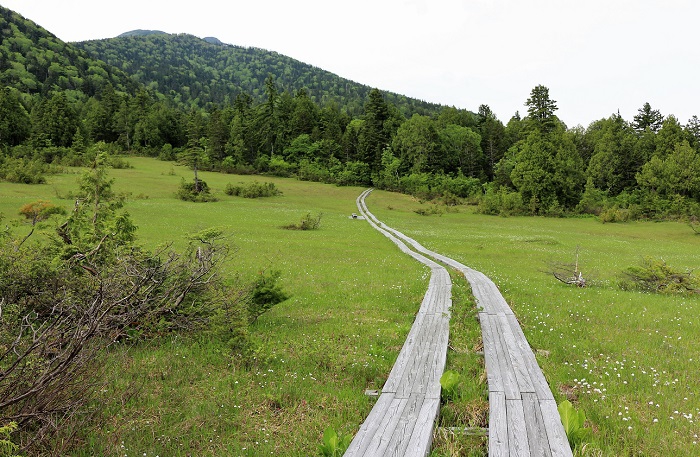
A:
(628, 359)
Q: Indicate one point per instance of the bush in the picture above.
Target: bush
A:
(266, 293)
(253, 190)
(614, 214)
(354, 174)
(25, 171)
(313, 171)
(279, 167)
(503, 202)
(434, 209)
(189, 191)
(308, 222)
(117, 162)
(654, 275)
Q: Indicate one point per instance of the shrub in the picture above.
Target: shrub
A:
(503, 202)
(279, 167)
(313, 171)
(25, 171)
(253, 190)
(189, 191)
(7, 446)
(434, 209)
(614, 214)
(654, 275)
(119, 162)
(308, 222)
(266, 293)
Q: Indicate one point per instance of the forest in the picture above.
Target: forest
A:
(187, 97)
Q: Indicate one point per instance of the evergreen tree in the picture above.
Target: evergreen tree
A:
(375, 136)
(647, 118)
(692, 128)
(15, 125)
(492, 138)
(462, 149)
(616, 157)
(669, 135)
(54, 121)
(540, 110)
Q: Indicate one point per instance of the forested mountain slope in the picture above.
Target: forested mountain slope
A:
(34, 61)
(197, 72)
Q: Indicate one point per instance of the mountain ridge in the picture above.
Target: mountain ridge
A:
(200, 72)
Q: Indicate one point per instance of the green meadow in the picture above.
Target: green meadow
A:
(628, 359)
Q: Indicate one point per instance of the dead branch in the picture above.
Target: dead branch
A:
(568, 273)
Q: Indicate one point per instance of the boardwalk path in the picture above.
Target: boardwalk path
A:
(523, 417)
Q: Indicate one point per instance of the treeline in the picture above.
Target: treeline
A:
(203, 103)
(619, 170)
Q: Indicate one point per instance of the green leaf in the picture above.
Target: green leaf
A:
(573, 422)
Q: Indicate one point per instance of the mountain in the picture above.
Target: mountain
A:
(198, 72)
(140, 32)
(36, 62)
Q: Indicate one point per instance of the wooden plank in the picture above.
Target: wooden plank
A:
(493, 374)
(405, 355)
(510, 384)
(518, 445)
(517, 358)
(498, 425)
(398, 440)
(433, 388)
(519, 423)
(535, 425)
(555, 430)
(385, 428)
(539, 382)
(369, 427)
(422, 436)
(416, 371)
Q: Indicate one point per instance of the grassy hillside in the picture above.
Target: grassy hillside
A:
(628, 359)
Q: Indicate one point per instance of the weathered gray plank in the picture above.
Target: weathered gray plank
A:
(385, 428)
(421, 439)
(368, 429)
(535, 425)
(493, 373)
(398, 440)
(505, 366)
(518, 445)
(539, 382)
(517, 358)
(498, 425)
(523, 420)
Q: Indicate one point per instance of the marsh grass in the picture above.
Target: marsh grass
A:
(353, 300)
(628, 359)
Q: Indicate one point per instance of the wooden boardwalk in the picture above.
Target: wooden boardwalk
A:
(523, 416)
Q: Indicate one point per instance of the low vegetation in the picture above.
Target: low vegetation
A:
(308, 222)
(253, 190)
(624, 357)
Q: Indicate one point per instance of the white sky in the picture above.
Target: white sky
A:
(595, 56)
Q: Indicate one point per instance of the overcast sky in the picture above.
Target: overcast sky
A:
(595, 56)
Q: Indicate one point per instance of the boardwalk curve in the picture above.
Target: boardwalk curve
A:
(523, 416)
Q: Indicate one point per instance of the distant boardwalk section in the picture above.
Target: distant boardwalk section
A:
(401, 422)
(523, 416)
